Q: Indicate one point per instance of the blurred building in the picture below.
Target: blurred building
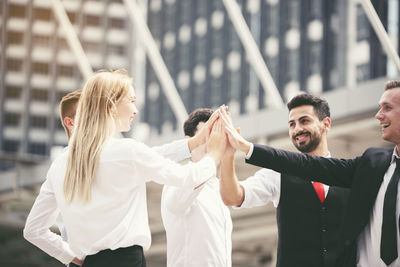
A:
(307, 46)
(38, 68)
(326, 48)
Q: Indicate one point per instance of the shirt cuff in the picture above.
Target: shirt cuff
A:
(67, 255)
(248, 155)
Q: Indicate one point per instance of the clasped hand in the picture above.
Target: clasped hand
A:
(223, 138)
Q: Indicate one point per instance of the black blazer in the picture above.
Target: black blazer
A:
(363, 175)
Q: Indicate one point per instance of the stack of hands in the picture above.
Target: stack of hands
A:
(221, 137)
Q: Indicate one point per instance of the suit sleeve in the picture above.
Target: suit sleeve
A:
(331, 171)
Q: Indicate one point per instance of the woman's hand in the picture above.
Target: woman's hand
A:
(217, 140)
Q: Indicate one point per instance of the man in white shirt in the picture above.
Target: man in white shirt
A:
(308, 214)
(197, 223)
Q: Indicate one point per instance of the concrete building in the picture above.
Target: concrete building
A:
(38, 68)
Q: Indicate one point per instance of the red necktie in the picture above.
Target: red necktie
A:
(319, 188)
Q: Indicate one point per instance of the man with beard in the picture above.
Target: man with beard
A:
(308, 213)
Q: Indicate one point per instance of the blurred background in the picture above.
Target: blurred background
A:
(253, 55)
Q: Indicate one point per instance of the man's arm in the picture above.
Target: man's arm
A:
(178, 200)
(37, 228)
(232, 193)
(331, 171)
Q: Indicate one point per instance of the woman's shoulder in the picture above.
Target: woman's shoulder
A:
(126, 145)
(125, 142)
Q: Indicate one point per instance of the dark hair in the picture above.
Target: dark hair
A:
(320, 105)
(392, 84)
(197, 116)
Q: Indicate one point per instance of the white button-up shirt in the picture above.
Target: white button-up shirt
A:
(198, 226)
(116, 216)
(369, 242)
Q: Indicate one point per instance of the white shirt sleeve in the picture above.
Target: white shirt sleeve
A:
(152, 166)
(41, 217)
(178, 200)
(177, 150)
(248, 155)
(262, 187)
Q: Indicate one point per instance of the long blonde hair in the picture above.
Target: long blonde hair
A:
(94, 125)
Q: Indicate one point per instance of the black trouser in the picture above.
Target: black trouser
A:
(122, 257)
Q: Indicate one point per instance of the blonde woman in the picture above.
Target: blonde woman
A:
(99, 183)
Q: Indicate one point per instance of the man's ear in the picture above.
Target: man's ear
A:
(68, 122)
(327, 123)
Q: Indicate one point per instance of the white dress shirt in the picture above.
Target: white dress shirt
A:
(264, 186)
(177, 151)
(198, 226)
(116, 216)
(369, 241)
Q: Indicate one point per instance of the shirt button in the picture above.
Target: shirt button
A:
(323, 230)
(324, 250)
(323, 208)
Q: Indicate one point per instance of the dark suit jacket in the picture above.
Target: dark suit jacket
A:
(363, 175)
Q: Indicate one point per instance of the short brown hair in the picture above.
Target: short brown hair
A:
(197, 116)
(68, 106)
(392, 84)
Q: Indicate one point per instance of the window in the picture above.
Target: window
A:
(362, 72)
(40, 95)
(41, 40)
(362, 24)
(92, 20)
(38, 121)
(62, 43)
(14, 65)
(13, 92)
(60, 95)
(117, 49)
(117, 23)
(42, 14)
(72, 17)
(15, 38)
(91, 47)
(37, 148)
(17, 11)
(10, 145)
(64, 70)
(12, 119)
(40, 68)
